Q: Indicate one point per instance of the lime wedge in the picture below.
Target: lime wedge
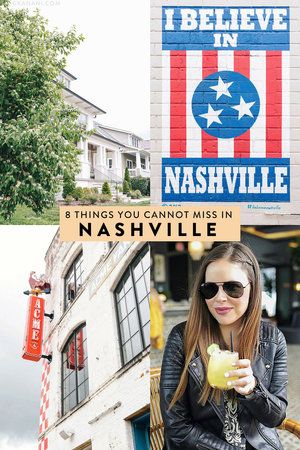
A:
(212, 348)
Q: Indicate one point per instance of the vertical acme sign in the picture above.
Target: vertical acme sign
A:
(32, 348)
(225, 103)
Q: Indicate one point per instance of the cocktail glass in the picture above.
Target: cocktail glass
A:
(220, 362)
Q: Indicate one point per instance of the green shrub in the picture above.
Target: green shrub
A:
(142, 184)
(135, 194)
(78, 193)
(85, 192)
(69, 185)
(106, 188)
(88, 191)
(69, 199)
(127, 175)
(126, 187)
(119, 200)
(91, 198)
(127, 179)
(104, 198)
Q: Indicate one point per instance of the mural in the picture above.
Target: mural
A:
(225, 118)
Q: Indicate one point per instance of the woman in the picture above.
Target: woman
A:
(226, 298)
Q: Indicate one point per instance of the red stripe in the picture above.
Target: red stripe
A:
(178, 104)
(242, 143)
(273, 104)
(209, 143)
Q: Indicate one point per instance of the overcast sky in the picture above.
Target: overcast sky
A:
(112, 65)
(22, 249)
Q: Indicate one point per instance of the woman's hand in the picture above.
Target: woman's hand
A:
(246, 382)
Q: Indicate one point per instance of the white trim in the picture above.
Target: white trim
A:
(165, 107)
(193, 78)
(285, 104)
(258, 78)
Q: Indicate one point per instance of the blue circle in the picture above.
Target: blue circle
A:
(224, 120)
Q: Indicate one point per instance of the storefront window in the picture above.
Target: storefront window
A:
(73, 280)
(75, 377)
(132, 296)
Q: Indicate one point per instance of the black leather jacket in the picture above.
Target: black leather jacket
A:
(189, 425)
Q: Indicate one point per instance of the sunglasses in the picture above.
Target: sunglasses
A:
(233, 289)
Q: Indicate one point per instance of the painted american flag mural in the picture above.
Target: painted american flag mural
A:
(225, 118)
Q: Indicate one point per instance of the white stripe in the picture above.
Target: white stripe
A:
(225, 62)
(166, 90)
(193, 78)
(258, 78)
(285, 104)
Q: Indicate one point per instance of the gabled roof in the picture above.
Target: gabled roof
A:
(90, 107)
(108, 127)
(103, 133)
(69, 74)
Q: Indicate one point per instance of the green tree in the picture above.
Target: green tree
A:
(69, 185)
(38, 130)
(106, 188)
(126, 187)
(127, 177)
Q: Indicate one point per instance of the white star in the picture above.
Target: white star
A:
(212, 115)
(244, 108)
(222, 88)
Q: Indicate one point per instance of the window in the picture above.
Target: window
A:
(86, 446)
(132, 297)
(82, 119)
(143, 163)
(141, 432)
(129, 164)
(73, 280)
(109, 163)
(64, 80)
(135, 141)
(75, 377)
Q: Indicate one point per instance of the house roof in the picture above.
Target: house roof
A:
(107, 127)
(103, 133)
(69, 74)
(82, 102)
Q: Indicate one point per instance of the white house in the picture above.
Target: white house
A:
(108, 151)
(95, 392)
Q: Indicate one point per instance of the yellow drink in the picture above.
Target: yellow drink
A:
(219, 363)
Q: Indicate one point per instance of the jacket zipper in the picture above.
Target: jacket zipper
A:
(220, 415)
(265, 437)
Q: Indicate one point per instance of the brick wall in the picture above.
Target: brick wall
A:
(102, 416)
(259, 113)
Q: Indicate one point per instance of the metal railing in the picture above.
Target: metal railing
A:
(103, 175)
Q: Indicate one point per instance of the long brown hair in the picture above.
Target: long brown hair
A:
(202, 329)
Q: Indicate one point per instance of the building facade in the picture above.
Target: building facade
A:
(107, 151)
(99, 343)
